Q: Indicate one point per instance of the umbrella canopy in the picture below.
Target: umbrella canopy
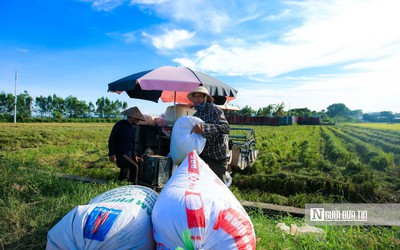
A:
(171, 84)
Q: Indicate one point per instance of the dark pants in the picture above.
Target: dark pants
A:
(129, 169)
(218, 166)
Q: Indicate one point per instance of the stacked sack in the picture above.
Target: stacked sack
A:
(117, 219)
(195, 210)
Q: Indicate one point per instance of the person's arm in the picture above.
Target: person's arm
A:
(218, 126)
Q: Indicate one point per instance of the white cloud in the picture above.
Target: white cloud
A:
(371, 92)
(358, 37)
(105, 5)
(332, 33)
(284, 14)
(171, 39)
(127, 37)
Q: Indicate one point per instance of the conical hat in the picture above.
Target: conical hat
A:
(134, 112)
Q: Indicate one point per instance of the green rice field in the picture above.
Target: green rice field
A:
(355, 163)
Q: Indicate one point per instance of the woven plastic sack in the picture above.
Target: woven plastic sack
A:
(183, 141)
(195, 210)
(117, 219)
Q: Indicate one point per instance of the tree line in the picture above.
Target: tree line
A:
(55, 107)
(334, 112)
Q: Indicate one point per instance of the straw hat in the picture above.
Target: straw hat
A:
(202, 90)
(134, 112)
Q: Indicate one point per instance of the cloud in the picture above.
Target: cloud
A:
(127, 37)
(203, 15)
(371, 92)
(171, 39)
(283, 15)
(322, 52)
(105, 5)
(335, 32)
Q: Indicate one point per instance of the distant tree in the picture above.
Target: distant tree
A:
(24, 106)
(279, 110)
(75, 108)
(304, 112)
(91, 109)
(387, 115)
(43, 105)
(57, 107)
(356, 114)
(6, 105)
(107, 108)
(265, 111)
(337, 110)
(100, 106)
(246, 111)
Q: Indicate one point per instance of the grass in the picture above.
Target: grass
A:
(33, 199)
(32, 203)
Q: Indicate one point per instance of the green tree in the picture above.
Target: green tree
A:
(304, 112)
(91, 109)
(387, 115)
(337, 110)
(57, 107)
(24, 106)
(279, 110)
(100, 107)
(6, 105)
(265, 111)
(246, 111)
(43, 106)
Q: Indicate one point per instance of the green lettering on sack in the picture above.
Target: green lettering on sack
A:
(123, 200)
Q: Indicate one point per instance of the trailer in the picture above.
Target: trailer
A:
(243, 147)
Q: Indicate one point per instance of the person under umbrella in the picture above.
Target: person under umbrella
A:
(121, 145)
(215, 129)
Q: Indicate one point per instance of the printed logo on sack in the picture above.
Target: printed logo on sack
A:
(193, 167)
(194, 210)
(237, 226)
(99, 222)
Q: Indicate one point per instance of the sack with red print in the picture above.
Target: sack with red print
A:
(195, 210)
(117, 219)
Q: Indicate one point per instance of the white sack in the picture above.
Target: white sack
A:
(195, 210)
(117, 219)
(182, 141)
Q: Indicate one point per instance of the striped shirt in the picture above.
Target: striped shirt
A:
(215, 130)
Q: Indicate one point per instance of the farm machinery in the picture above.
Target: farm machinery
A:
(157, 167)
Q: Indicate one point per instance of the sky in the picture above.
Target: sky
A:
(306, 54)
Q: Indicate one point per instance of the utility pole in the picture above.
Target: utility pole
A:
(15, 98)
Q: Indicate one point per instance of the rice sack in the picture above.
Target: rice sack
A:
(195, 210)
(183, 141)
(117, 219)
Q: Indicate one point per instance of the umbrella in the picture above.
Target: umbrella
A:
(171, 84)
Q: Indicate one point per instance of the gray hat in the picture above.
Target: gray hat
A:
(201, 90)
(134, 112)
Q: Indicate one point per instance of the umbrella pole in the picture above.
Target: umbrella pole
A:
(174, 106)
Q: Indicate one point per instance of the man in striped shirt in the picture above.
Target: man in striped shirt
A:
(215, 129)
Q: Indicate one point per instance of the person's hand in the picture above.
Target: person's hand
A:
(112, 158)
(198, 128)
(138, 159)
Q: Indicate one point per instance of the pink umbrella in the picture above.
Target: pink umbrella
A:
(174, 89)
(171, 84)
